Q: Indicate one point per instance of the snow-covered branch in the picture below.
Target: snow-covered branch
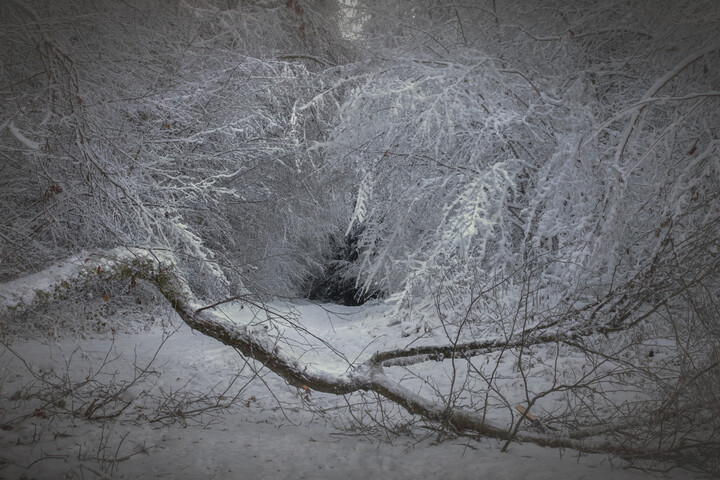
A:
(159, 270)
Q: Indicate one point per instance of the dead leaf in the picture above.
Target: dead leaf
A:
(39, 413)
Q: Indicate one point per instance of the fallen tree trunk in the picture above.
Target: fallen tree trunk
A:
(57, 281)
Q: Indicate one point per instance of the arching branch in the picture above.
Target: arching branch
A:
(159, 270)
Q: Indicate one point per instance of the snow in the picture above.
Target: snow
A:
(22, 138)
(270, 431)
(23, 290)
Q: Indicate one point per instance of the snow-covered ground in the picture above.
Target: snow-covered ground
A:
(184, 406)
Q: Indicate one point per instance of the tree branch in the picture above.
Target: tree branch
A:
(21, 294)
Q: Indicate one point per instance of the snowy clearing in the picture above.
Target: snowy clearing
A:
(267, 431)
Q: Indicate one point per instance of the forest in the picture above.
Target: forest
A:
(511, 207)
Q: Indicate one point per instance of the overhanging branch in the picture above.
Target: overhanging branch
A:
(20, 294)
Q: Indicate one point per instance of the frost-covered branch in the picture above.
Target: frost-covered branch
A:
(138, 264)
(158, 269)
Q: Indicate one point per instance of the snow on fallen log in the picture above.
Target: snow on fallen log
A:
(93, 267)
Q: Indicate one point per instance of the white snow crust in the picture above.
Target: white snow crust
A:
(267, 434)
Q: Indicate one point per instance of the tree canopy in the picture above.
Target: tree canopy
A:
(537, 172)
